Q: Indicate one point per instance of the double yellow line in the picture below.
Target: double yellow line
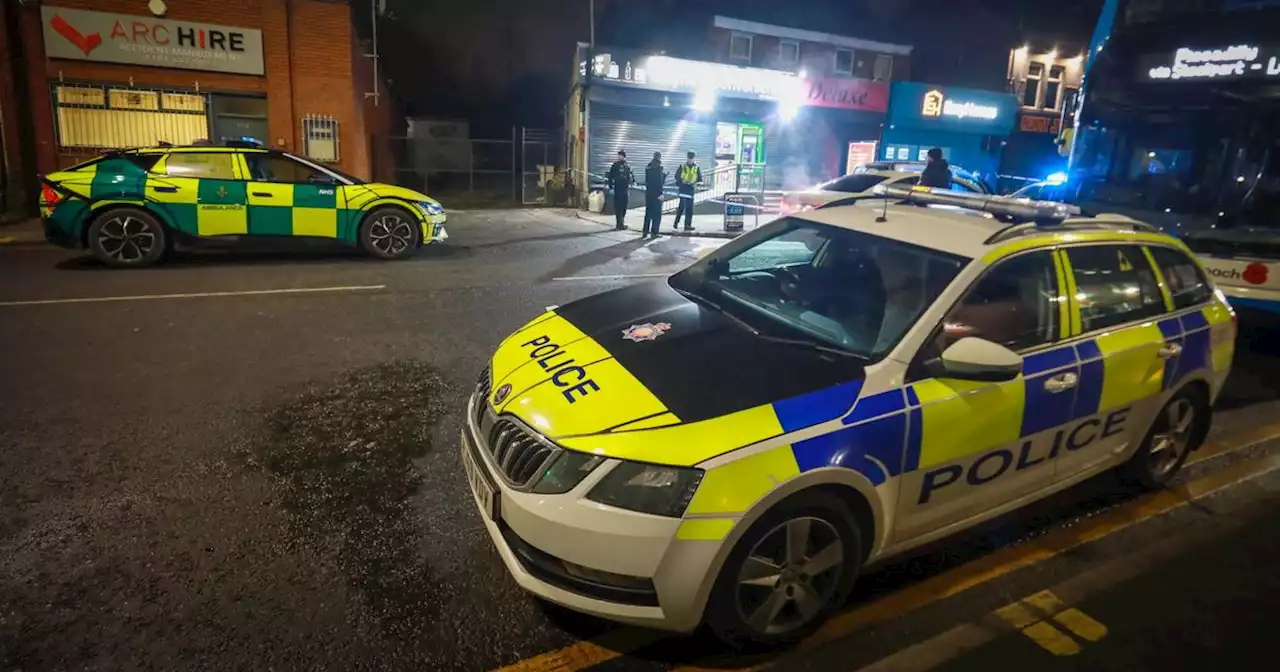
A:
(587, 654)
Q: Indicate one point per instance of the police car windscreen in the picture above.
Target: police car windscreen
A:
(852, 290)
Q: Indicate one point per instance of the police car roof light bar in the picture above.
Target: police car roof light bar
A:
(1042, 212)
(1106, 222)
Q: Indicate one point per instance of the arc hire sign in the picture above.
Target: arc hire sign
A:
(85, 35)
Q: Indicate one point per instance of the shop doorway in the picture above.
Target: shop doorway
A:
(740, 157)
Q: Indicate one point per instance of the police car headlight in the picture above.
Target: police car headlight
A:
(566, 472)
(648, 488)
(431, 208)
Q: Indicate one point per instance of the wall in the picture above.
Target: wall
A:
(815, 58)
(300, 41)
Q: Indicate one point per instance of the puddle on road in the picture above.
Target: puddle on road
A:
(343, 452)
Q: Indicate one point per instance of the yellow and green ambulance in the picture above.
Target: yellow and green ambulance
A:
(130, 207)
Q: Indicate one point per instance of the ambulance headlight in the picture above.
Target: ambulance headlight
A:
(431, 208)
(648, 488)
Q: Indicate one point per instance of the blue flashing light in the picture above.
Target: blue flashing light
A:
(1056, 178)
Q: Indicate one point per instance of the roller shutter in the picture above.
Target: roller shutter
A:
(641, 131)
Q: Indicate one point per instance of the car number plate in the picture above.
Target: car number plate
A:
(486, 496)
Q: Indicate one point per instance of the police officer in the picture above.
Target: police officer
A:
(620, 180)
(654, 178)
(687, 177)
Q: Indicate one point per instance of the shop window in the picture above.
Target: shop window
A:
(740, 46)
(320, 138)
(97, 117)
(240, 118)
(843, 62)
(788, 52)
(1031, 90)
(1053, 87)
(884, 68)
(209, 165)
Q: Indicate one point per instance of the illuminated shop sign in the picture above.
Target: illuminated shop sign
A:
(1234, 62)
(678, 74)
(936, 104)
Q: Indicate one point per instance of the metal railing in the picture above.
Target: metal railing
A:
(91, 118)
(525, 169)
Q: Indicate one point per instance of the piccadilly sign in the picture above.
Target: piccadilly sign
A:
(105, 37)
(1232, 62)
(936, 104)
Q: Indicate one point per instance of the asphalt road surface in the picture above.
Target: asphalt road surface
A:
(248, 461)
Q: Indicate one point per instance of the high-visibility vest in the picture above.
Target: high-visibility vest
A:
(688, 174)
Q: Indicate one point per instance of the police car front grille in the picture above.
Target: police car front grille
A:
(517, 454)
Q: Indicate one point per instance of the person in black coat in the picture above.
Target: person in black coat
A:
(654, 179)
(937, 172)
(620, 180)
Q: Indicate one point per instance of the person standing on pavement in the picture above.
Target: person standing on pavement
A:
(687, 177)
(620, 181)
(654, 179)
(937, 172)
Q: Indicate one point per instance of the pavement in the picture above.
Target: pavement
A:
(704, 226)
(247, 461)
(24, 232)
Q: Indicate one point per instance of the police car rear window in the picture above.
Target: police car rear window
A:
(1187, 286)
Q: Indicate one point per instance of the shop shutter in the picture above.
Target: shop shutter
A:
(641, 131)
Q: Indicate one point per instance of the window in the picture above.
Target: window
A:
(740, 46)
(1114, 284)
(268, 167)
(144, 161)
(1053, 87)
(853, 183)
(1014, 304)
(844, 62)
(208, 165)
(94, 117)
(884, 68)
(822, 283)
(1031, 90)
(1186, 284)
(320, 138)
(788, 52)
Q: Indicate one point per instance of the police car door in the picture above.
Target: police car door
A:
(1124, 349)
(973, 445)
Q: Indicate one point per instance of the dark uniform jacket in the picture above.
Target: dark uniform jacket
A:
(936, 174)
(654, 178)
(620, 177)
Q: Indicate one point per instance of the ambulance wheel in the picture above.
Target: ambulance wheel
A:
(1178, 429)
(127, 238)
(792, 569)
(390, 233)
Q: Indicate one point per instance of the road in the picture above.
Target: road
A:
(248, 461)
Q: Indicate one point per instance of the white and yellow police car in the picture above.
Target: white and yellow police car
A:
(733, 444)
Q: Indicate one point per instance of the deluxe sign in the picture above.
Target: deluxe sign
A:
(85, 35)
(847, 93)
(1232, 62)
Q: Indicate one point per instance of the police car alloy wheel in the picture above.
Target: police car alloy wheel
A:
(1178, 429)
(794, 567)
(390, 233)
(127, 237)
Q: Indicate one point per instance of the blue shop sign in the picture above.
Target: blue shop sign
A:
(952, 108)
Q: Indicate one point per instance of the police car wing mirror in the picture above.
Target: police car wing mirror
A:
(972, 358)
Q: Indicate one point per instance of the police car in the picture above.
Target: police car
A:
(129, 207)
(861, 182)
(733, 444)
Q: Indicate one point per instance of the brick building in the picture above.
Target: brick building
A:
(80, 76)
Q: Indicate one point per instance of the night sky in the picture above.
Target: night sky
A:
(500, 63)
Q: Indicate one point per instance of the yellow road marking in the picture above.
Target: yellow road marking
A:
(1036, 614)
(585, 654)
(1052, 639)
(1081, 625)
